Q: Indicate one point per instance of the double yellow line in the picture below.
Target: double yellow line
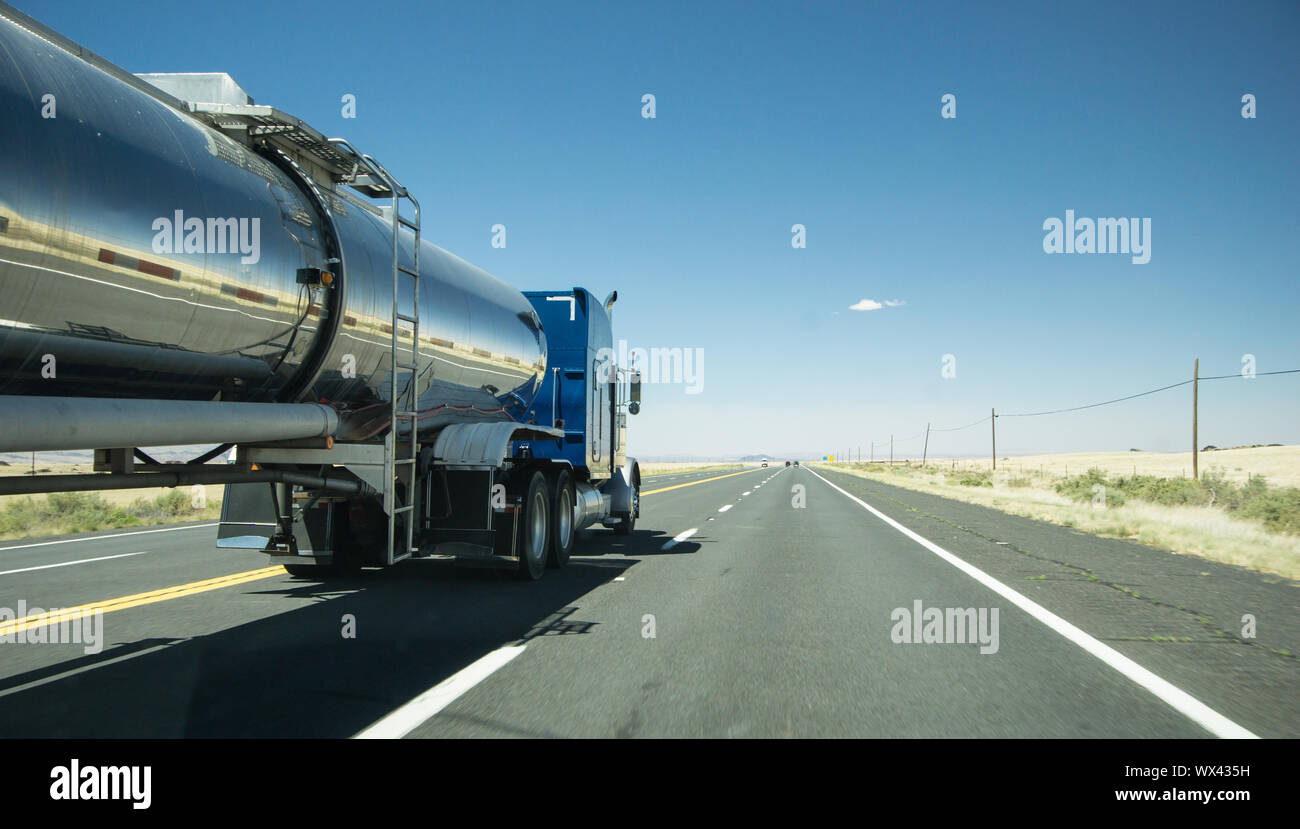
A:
(54, 617)
(701, 481)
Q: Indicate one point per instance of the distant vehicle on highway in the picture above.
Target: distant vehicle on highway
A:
(796, 463)
(764, 461)
(787, 463)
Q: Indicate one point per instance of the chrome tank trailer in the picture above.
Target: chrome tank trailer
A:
(152, 247)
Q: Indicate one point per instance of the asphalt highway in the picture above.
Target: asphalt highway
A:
(773, 602)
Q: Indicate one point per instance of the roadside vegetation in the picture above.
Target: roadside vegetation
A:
(1249, 522)
(76, 512)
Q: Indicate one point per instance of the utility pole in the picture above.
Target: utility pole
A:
(873, 451)
(994, 420)
(926, 449)
(891, 450)
(1196, 374)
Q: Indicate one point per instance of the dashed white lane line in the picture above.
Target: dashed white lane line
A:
(1178, 699)
(746, 492)
(679, 538)
(411, 715)
(66, 563)
(101, 537)
(727, 507)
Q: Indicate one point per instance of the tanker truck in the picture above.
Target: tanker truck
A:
(180, 266)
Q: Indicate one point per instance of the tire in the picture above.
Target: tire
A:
(629, 520)
(563, 526)
(535, 529)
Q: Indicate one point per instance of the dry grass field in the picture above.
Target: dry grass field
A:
(116, 497)
(30, 516)
(1279, 464)
(1028, 486)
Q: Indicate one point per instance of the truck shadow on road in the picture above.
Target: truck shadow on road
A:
(294, 673)
(638, 543)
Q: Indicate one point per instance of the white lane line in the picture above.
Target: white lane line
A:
(724, 509)
(620, 578)
(112, 535)
(679, 538)
(407, 718)
(66, 563)
(1178, 699)
(746, 492)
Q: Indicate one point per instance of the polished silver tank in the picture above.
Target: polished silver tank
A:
(94, 303)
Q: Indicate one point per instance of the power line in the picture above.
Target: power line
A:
(1095, 405)
(984, 419)
(1141, 394)
(987, 418)
(1258, 374)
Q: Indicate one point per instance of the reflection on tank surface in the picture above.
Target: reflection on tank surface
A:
(87, 206)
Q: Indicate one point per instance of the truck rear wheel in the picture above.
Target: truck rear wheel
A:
(534, 529)
(563, 530)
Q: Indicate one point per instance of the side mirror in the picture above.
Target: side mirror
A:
(634, 388)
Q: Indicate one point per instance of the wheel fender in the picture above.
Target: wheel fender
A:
(621, 486)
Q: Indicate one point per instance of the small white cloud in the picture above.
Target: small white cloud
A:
(894, 303)
(866, 305)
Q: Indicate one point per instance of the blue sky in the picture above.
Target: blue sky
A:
(828, 115)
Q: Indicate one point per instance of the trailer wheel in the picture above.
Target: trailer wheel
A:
(562, 520)
(535, 529)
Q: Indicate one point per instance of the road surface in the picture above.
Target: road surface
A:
(764, 603)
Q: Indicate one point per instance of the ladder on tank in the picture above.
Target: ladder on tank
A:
(400, 458)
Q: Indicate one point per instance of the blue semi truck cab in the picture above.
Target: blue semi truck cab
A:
(584, 391)
(587, 396)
